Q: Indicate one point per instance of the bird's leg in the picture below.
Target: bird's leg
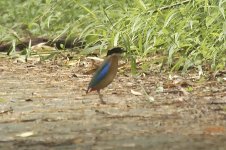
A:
(101, 97)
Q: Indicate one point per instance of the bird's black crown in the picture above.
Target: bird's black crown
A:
(115, 50)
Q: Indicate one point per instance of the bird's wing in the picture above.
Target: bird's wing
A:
(100, 74)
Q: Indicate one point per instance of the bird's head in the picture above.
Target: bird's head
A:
(115, 50)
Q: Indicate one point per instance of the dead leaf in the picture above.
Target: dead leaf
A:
(26, 134)
(96, 59)
(136, 93)
(183, 90)
(151, 99)
(41, 47)
(214, 130)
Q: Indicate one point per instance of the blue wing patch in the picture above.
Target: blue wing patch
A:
(100, 74)
(103, 72)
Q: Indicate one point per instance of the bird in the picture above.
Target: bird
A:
(106, 73)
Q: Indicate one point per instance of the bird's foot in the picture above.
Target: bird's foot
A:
(102, 102)
(101, 98)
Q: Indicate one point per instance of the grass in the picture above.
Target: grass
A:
(184, 34)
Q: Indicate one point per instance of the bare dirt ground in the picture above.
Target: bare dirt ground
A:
(44, 106)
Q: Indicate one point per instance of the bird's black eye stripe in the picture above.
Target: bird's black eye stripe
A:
(115, 50)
